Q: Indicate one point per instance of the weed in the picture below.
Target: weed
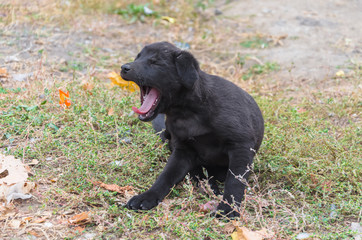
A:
(73, 66)
(135, 12)
(203, 4)
(255, 42)
(257, 69)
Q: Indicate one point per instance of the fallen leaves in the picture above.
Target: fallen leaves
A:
(127, 190)
(110, 112)
(277, 40)
(87, 87)
(80, 219)
(3, 73)
(13, 179)
(64, 99)
(340, 73)
(210, 206)
(243, 233)
(33, 233)
(168, 19)
(116, 79)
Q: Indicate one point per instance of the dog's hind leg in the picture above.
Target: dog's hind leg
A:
(240, 160)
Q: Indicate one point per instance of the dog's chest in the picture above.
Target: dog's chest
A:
(210, 150)
(182, 129)
(196, 135)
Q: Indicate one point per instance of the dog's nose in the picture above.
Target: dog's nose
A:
(126, 68)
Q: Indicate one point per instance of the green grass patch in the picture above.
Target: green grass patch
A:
(255, 42)
(307, 175)
(257, 68)
(136, 12)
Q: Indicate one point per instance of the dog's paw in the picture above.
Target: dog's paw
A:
(225, 211)
(144, 201)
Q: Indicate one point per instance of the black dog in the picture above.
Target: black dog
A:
(211, 123)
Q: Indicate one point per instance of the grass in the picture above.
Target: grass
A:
(255, 42)
(135, 13)
(306, 177)
(307, 163)
(257, 68)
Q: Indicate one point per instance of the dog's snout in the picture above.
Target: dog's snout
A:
(126, 68)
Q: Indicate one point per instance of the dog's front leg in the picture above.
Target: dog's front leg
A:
(178, 165)
(240, 160)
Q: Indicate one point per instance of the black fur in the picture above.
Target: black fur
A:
(211, 123)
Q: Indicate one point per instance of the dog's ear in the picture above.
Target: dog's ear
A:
(187, 68)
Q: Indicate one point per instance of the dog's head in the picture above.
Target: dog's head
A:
(163, 72)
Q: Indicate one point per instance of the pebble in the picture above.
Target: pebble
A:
(88, 236)
(356, 227)
(117, 163)
(333, 213)
(303, 236)
(217, 12)
(22, 76)
(306, 21)
(48, 224)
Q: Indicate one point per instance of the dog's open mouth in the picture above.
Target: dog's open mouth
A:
(150, 98)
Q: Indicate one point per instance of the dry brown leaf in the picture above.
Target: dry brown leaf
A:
(87, 87)
(16, 170)
(208, 207)
(6, 211)
(116, 79)
(229, 228)
(3, 73)
(114, 187)
(277, 40)
(33, 162)
(79, 229)
(110, 112)
(53, 180)
(40, 220)
(26, 219)
(32, 232)
(243, 233)
(13, 184)
(4, 173)
(80, 219)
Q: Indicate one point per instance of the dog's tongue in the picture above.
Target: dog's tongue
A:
(148, 101)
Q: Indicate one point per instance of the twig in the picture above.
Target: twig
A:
(45, 234)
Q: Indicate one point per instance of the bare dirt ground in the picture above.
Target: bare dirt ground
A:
(322, 35)
(310, 40)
